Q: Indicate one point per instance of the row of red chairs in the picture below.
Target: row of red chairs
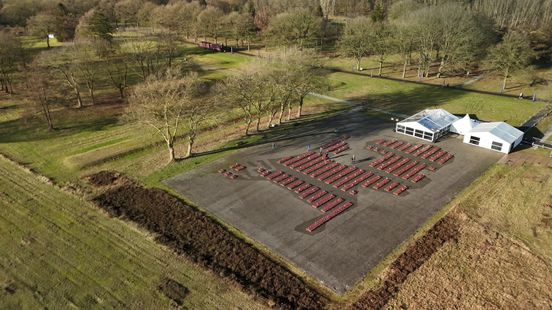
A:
(376, 149)
(405, 168)
(316, 196)
(436, 156)
(388, 162)
(311, 163)
(391, 186)
(342, 174)
(316, 167)
(357, 181)
(381, 183)
(263, 171)
(415, 170)
(321, 201)
(274, 174)
(311, 190)
(371, 181)
(237, 167)
(421, 150)
(324, 219)
(305, 160)
(331, 143)
(332, 172)
(228, 174)
(330, 205)
(286, 161)
(445, 158)
(430, 152)
(312, 194)
(400, 190)
(294, 184)
(337, 146)
(324, 169)
(348, 178)
(302, 188)
(381, 160)
(417, 178)
(342, 149)
(397, 165)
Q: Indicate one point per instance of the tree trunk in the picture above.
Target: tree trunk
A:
(504, 81)
(270, 118)
(380, 68)
(441, 65)
(91, 92)
(248, 121)
(404, 67)
(358, 64)
(289, 112)
(191, 140)
(79, 99)
(121, 92)
(281, 116)
(258, 126)
(170, 147)
(300, 110)
(48, 40)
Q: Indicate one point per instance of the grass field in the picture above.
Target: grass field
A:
(107, 263)
(95, 137)
(60, 252)
(503, 256)
(528, 81)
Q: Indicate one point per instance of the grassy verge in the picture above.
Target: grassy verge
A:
(503, 256)
(60, 252)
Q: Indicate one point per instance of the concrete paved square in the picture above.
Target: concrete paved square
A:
(345, 249)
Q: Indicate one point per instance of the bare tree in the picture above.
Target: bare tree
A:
(40, 92)
(164, 102)
(244, 90)
(118, 71)
(11, 56)
(65, 63)
(355, 42)
(513, 53)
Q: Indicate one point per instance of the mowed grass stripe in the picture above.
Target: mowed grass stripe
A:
(65, 254)
(31, 263)
(78, 256)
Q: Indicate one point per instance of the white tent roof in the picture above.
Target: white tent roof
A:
(463, 125)
(432, 119)
(500, 130)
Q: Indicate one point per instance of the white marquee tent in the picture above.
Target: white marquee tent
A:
(463, 125)
(429, 124)
(497, 136)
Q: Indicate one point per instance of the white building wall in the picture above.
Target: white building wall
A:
(486, 140)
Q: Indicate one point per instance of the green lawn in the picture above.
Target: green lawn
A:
(60, 252)
(407, 98)
(93, 138)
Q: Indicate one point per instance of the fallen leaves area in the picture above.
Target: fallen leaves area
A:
(483, 270)
(192, 233)
(443, 231)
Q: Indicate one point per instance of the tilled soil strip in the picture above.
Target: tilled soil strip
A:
(190, 232)
(443, 231)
